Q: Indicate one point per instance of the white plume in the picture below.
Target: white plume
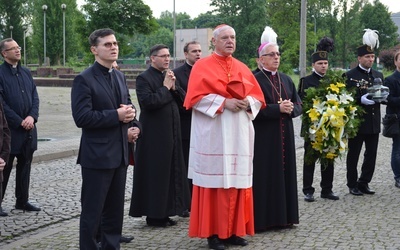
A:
(371, 38)
(268, 36)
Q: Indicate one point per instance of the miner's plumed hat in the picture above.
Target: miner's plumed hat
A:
(325, 46)
(370, 42)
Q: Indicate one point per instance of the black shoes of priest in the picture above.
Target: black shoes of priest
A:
(185, 214)
(215, 243)
(365, 189)
(309, 197)
(236, 240)
(330, 196)
(160, 222)
(27, 207)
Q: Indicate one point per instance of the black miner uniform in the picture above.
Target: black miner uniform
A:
(327, 171)
(368, 131)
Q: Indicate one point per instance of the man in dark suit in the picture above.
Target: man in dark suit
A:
(320, 66)
(192, 51)
(21, 108)
(362, 77)
(101, 106)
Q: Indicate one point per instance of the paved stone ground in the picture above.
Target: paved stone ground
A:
(368, 222)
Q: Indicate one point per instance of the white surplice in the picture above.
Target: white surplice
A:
(221, 153)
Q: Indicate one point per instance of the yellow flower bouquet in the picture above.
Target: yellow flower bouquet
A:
(330, 118)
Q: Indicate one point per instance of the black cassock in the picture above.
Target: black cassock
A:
(160, 186)
(274, 174)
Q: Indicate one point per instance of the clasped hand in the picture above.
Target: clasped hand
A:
(169, 80)
(236, 105)
(133, 134)
(286, 106)
(126, 113)
(28, 123)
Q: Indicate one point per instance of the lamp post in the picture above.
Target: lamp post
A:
(63, 7)
(315, 32)
(25, 29)
(11, 29)
(174, 36)
(44, 7)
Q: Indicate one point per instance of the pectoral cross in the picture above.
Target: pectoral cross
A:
(280, 100)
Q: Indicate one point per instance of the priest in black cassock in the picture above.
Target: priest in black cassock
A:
(274, 174)
(160, 186)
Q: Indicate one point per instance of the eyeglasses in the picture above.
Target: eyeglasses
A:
(272, 54)
(163, 56)
(109, 45)
(13, 48)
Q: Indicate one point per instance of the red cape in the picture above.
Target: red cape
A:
(209, 76)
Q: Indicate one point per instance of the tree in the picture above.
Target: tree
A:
(12, 19)
(207, 20)
(377, 17)
(244, 16)
(123, 16)
(54, 30)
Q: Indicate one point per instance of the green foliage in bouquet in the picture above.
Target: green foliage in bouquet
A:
(330, 117)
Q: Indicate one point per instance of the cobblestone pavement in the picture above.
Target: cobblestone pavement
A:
(367, 222)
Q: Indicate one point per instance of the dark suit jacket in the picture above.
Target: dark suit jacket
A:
(104, 141)
(393, 104)
(20, 99)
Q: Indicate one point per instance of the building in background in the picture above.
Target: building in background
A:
(396, 19)
(203, 36)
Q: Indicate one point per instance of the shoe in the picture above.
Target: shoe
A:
(171, 222)
(27, 207)
(309, 197)
(397, 183)
(185, 214)
(365, 189)
(355, 191)
(237, 241)
(330, 196)
(215, 243)
(125, 239)
(160, 222)
(2, 213)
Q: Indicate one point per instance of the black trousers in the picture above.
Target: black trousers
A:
(327, 172)
(368, 165)
(102, 200)
(22, 177)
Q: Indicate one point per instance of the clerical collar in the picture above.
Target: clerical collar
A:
(366, 70)
(272, 72)
(103, 69)
(191, 65)
(12, 65)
